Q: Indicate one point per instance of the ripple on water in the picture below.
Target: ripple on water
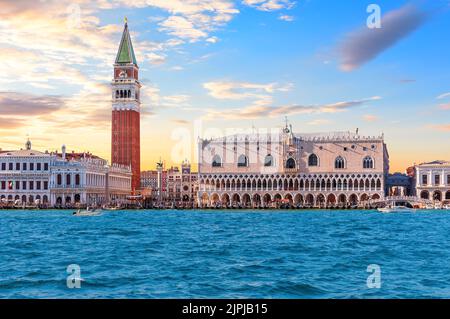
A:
(222, 254)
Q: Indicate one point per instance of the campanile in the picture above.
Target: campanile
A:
(126, 103)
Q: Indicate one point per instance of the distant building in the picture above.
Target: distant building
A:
(60, 179)
(432, 180)
(171, 185)
(400, 184)
(182, 184)
(313, 169)
(149, 179)
(25, 176)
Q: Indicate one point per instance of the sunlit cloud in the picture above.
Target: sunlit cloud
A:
(260, 112)
(270, 5)
(370, 118)
(285, 17)
(318, 122)
(440, 127)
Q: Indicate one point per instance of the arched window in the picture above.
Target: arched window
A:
(368, 162)
(268, 161)
(217, 161)
(68, 179)
(290, 163)
(77, 179)
(339, 163)
(242, 161)
(313, 160)
(59, 179)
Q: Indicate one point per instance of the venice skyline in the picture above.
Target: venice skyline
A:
(227, 66)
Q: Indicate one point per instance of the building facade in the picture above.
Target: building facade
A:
(25, 176)
(432, 181)
(30, 177)
(126, 103)
(171, 186)
(182, 186)
(263, 170)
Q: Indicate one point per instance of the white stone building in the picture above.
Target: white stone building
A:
(60, 179)
(432, 181)
(315, 170)
(25, 176)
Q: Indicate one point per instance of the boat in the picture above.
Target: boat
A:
(112, 208)
(429, 206)
(397, 207)
(446, 206)
(88, 212)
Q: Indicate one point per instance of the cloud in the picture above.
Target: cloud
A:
(285, 17)
(182, 27)
(445, 106)
(242, 90)
(181, 122)
(262, 111)
(407, 80)
(22, 104)
(10, 123)
(443, 96)
(269, 5)
(440, 127)
(212, 40)
(319, 122)
(156, 59)
(370, 118)
(366, 44)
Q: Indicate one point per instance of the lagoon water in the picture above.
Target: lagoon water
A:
(225, 254)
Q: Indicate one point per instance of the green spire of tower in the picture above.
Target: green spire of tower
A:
(126, 52)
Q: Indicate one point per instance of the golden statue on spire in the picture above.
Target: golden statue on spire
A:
(126, 20)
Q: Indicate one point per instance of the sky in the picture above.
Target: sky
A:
(214, 67)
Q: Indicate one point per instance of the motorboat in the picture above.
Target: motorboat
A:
(446, 206)
(112, 208)
(88, 212)
(397, 207)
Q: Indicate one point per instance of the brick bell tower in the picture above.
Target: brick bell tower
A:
(126, 103)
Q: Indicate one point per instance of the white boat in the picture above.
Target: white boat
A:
(446, 206)
(88, 212)
(429, 206)
(397, 207)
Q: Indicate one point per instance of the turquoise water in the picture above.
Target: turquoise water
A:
(225, 254)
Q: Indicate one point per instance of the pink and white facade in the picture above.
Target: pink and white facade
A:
(255, 170)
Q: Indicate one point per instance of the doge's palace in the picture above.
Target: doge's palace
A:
(312, 170)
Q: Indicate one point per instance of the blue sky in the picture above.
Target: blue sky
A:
(229, 64)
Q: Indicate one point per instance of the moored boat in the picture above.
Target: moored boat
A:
(397, 207)
(88, 212)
